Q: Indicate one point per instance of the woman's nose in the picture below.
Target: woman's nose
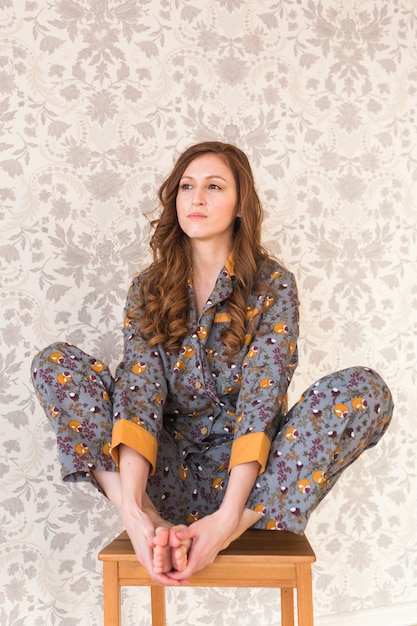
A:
(198, 196)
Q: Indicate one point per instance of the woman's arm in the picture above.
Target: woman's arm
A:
(241, 481)
(267, 370)
(215, 532)
(140, 389)
(134, 472)
(136, 514)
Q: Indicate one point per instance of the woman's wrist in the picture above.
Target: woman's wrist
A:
(228, 519)
(132, 510)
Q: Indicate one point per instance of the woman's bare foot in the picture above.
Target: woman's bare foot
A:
(179, 548)
(169, 551)
(162, 557)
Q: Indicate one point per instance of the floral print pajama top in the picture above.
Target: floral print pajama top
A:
(200, 397)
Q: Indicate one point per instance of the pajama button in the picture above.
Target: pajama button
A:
(198, 385)
(204, 430)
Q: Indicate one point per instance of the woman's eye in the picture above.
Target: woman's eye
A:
(185, 186)
(213, 186)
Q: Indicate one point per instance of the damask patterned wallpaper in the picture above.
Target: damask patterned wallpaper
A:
(97, 97)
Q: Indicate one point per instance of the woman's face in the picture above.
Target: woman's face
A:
(207, 200)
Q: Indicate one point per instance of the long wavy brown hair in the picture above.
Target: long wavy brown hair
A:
(164, 291)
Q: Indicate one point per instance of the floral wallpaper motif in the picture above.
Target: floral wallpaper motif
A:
(97, 97)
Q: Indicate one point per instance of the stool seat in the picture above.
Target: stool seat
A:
(259, 558)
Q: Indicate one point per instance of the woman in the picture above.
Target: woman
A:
(195, 420)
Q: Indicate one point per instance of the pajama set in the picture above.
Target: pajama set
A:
(196, 414)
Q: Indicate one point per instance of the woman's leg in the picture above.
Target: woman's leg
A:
(335, 420)
(75, 391)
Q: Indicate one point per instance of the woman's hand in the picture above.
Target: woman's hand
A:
(138, 515)
(141, 533)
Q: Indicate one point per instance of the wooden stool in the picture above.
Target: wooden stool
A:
(259, 558)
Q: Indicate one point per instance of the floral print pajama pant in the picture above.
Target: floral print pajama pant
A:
(334, 421)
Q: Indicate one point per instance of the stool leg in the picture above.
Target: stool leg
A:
(304, 595)
(111, 594)
(287, 606)
(158, 606)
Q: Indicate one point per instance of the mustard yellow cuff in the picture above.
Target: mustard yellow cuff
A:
(252, 447)
(135, 437)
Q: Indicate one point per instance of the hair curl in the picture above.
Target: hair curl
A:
(164, 290)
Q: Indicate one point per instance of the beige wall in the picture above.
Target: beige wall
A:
(96, 99)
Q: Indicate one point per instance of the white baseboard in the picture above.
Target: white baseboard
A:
(398, 615)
